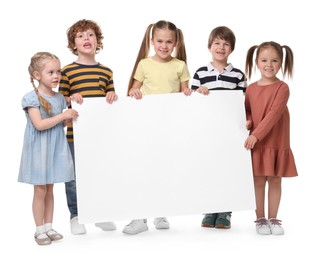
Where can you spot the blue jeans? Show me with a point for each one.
(70, 189)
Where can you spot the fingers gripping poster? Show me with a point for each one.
(163, 155)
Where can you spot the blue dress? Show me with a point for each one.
(46, 158)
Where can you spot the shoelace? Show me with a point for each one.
(222, 215)
(275, 221)
(134, 223)
(261, 221)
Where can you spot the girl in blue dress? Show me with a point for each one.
(46, 158)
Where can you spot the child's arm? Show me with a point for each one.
(274, 114)
(43, 124)
(249, 120)
(185, 89)
(135, 89)
(251, 140)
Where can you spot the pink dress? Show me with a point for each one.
(266, 106)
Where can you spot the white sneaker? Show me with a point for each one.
(106, 226)
(136, 226)
(276, 226)
(76, 228)
(161, 223)
(262, 226)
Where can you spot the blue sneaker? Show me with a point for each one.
(209, 220)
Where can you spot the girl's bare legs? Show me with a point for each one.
(274, 195)
(38, 204)
(39, 209)
(274, 198)
(49, 204)
(49, 213)
(262, 226)
(260, 183)
(43, 204)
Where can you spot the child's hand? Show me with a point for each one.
(203, 90)
(249, 124)
(78, 98)
(67, 122)
(187, 91)
(69, 114)
(134, 92)
(110, 97)
(250, 142)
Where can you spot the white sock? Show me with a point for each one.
(41, 230)
(48, 226)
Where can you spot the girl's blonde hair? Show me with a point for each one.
(180, 52)
(37, 64)
(287, 67)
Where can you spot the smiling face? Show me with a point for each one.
(164, 42)
(220, 50)
(269, 63)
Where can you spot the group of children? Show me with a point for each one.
(48, 156)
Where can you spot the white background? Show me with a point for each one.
(31, 26)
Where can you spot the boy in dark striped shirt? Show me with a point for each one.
(219, 75)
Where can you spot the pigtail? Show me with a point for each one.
(249, 61)
(180, 48)
(36, 64)
(43, 102)
(288, 62)
(143, 53)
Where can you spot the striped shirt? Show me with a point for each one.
(88, 80)
(210, 77)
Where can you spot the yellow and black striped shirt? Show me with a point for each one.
(88, 80)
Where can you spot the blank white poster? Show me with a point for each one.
(163, 155)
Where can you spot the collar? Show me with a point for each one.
(228, 68)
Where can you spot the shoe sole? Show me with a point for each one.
(263, 234)
(79, 233)
(43, 241)
(135, 233)
(222, 226)
(162, 227)
(207, 225)
(55, 237)
(105, 228)
(278, 234)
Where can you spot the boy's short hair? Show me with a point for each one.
(81, 26)
(224, 33)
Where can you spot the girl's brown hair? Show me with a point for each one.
(180, 49)
(36, 64)
(82, 26)
(287, 68)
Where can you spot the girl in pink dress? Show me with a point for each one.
(268, 120)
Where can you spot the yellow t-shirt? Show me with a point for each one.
(161, 78)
